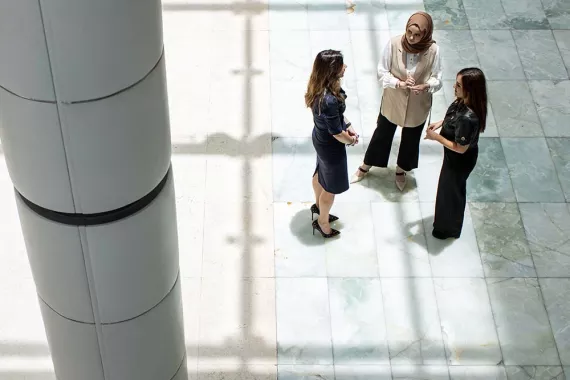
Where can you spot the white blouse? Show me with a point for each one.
(389, 81)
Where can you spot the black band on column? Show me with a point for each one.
(98, 218)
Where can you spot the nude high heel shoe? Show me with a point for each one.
(357, 178)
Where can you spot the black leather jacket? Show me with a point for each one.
(461, 125)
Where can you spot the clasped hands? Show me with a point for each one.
(352, 133)
(410, 83)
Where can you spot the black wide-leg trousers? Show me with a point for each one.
(378, 151)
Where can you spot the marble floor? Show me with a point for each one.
(263, 297)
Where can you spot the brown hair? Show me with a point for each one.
(325, 77)
(475, 91)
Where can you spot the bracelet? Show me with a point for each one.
(348, 124)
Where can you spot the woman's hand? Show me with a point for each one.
(351, 131)
(431, 134)
(435, 126)
(355, 138)
(420, 88)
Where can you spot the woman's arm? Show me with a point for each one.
(345, 138)
(435, 126)
(384, 66)
(463, 133)
(434, 82)
(451, 145)
(349, 127)
(332, 118)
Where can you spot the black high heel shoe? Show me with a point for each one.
(333, 232)
(315, 210)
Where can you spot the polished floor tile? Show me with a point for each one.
(306, 372)
(525, 14)
(412, 322)
(562, 38)
(467, 323)
(498, 55)
(357, 321)
(514, 109)
(448, 14)
(490, 180)
(557, 12)
(522, 322)
(552, 99)
(502, 241)
(532, 170)
(486, 14)
(452, 257)
(303, 322)
(477, 373)
(547, 227)
(535, 372)
(556, 294)
(560, 152)
(363, 372)
(412, 372)
(457, 51)
(539, 55)
(401, 246)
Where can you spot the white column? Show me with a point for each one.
(85, 133)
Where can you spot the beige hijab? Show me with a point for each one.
(425, 23)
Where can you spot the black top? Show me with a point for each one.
(461, 125)
(328, 115)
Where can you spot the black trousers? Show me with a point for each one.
(378, 151)
(452, 190)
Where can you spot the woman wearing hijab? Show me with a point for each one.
(464, 120)
(410, 71)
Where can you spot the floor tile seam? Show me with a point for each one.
(540, 291)
(493, 316)
(437, 303)
(382, 295)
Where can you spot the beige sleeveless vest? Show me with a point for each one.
(403, 107)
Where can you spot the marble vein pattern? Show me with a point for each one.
(532, 170)
(522, 322)
(547, 228)
(502, 241)
(552, 100)
(556, 293)
(539, 55)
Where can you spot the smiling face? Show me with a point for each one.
(458, 86)
(413, 34)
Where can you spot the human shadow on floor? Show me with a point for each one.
(434, 246)
(302, 229)
(382, 180)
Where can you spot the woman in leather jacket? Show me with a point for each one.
(464, 120)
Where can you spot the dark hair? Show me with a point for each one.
(475, 91)
(325, 76)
